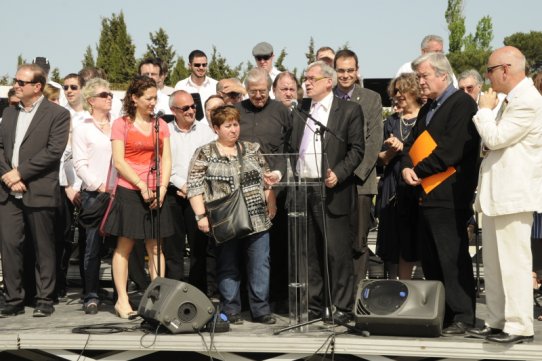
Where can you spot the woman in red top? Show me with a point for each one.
(134, 213)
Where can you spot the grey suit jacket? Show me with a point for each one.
(39, 154)
(345, 120)
(371, 105)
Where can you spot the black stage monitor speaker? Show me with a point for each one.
(400, 308)
(178, 306)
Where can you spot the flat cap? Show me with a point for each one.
(262, 49)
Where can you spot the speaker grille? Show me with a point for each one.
(187, 312)
(381, 297)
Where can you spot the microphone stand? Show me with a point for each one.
(158, 180)
(327, 313)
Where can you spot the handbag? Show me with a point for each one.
(91, 217)
(228, 216)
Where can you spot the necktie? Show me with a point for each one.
(501, 110)
(345, 97)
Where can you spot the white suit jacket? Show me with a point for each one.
(510, 179)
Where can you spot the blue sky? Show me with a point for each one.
(384, 33)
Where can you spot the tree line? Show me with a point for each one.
(115, 51)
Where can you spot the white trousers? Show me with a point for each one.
(507, 272)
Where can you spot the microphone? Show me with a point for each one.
(293, 105)
(158, 114)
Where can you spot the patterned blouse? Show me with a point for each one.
(215, 176)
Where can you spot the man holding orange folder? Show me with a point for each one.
(441, 158)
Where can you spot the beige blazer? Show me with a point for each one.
(510, 178)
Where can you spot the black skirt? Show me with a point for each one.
(131, 217)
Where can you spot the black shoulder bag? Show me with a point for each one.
(228, 216)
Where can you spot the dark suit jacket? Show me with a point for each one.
(458, 145)
(39, 154)
(345, 120)
(371, 105)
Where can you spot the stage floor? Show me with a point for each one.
(26, 338)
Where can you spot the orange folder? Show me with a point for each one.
(421, 149)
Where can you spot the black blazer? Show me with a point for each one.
(345, 120)
(39, 154)
(458, 145)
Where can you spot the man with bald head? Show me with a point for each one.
(186, 136)
(508, 193)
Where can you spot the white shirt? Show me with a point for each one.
(183, 146)
(207, 88)
(310, 163)
(162, 103)
(91, 154)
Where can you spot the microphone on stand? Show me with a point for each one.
(158, 114)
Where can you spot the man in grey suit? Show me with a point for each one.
(344, 154)
(348, 88)
(33, 137)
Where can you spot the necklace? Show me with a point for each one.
(405, 127)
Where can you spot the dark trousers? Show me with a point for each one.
(339, 249)
(39, 223)
(361, 228)
(279, 252)
(445, 257)
(186, 228)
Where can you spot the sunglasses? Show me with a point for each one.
(104, 95)
(22, 82)
(200, 65)
(233, 95)
(72, 87)
(263, 57)
(185, 108)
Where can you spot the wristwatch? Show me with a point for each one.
(200, 216)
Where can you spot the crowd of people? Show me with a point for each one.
(447, 147)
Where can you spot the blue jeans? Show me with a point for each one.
(253, 251)
(93, 246)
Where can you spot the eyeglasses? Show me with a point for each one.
(72, 87)
(313, 79)
(346, 71)
(262, 57)
(257, 91)
(490, 69)
(184, 108)
(200, 65)
(233, 95)
(22, 82)
(104, 95)
(468, 88)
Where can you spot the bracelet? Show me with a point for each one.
(200, 216)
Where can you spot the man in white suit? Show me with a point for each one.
(509, 190)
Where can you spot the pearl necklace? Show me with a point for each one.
(408, 127)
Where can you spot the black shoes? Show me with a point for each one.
(91, 306)
(506, 338)
(11, 310)
(43, 310)
(235, 319)
(457, 328)
(265, 319)
(339, 318)
(482, 332)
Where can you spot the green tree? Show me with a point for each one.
(160, 48)
(311, 55)
(530, 44)
(467, 51)
(280, 60)
(55, 75)
(88, 59)
(116, 52)
(5, 80)
(345, 46)
(219, 68)
(179, 72)
(456, 24)
(20, 60)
